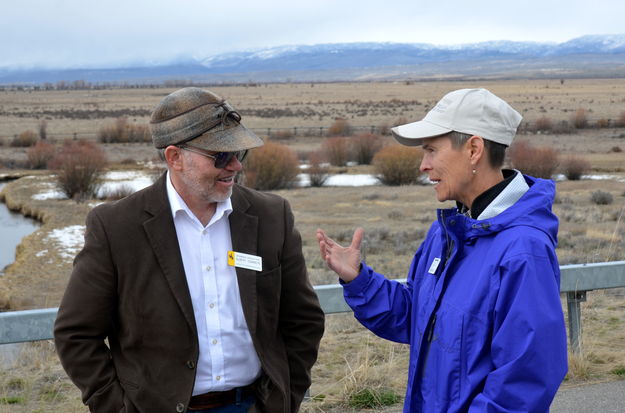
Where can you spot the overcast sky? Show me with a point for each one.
(108, 33)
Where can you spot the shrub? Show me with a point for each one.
(601, 198)
(282, 134)
(79, 166)
(540, 162)
(40, 154)
(400, 121)
(340, 127)
(562, 127)
(397, 164)
(272, 166)
(603, 123)
(318, 173)
(121, 131)
(336, 150)
(139, 133)
(24, 139)
(364, 147)
(616, 149)
(384, 129)
(573, 167)
(621, 119)
(43, 129)
(543, 124)
(580, 118)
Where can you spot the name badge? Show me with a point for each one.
(247, 261)
(434, 265)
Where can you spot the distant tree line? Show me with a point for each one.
(84, 85)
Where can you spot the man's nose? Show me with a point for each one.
(234, 164)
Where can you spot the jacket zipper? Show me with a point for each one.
(429, 338)
(450, 245)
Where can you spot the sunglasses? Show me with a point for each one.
(222, 159)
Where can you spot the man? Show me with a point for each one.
(481, 307)
(198, 284)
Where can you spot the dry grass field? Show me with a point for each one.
(280, 106)
(395, 218)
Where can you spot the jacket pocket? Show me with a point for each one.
(269, 287)
(444, 364)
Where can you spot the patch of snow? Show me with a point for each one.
(50, 194)
(342, 180)
(562, 177)
(124, 179)
(69, 240)
(41, 253)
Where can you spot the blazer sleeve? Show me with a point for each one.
(85, 320)
(301, 317)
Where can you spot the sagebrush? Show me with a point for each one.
(272, 166)
(398, 164)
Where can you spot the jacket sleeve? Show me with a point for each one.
(85, 320)
(301, 317)
(381, 305)
(528, 347)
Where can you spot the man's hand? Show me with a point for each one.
(345, 261)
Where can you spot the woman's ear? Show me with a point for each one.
(475, 146)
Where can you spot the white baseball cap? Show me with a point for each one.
(472, 111)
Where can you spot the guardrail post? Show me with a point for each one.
(573, 300)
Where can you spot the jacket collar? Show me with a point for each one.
(244, 235)
(161, 232)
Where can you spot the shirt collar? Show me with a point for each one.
(177, 205)
(497, 198)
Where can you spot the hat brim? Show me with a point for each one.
(230, 139)
(412, 134)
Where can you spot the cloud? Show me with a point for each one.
(87, 33)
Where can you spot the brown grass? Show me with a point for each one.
(362, 104)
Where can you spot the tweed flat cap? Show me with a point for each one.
(201, 116)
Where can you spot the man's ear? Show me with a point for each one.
(173, 157)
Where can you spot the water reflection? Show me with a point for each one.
(13, 227)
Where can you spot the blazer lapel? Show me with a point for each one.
(161, 233)
(244, 234)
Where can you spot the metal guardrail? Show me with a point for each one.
(577, 279)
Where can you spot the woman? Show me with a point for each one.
(481, 309)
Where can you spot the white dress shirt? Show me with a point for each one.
(227, 356)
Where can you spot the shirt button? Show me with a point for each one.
(211, 305)
(218, 378)
(208, 268)
(214, 341)
(191, 364)
(180, 407)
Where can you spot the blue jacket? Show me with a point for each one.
(481, 310)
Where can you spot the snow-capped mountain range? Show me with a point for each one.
(592, 55)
